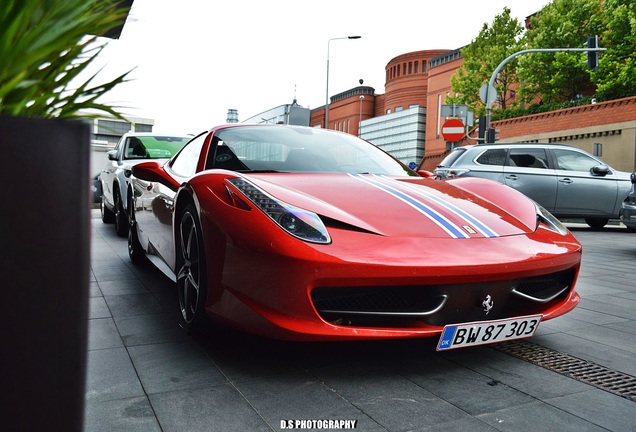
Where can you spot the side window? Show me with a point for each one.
(185, 163)
(574, 161)
(492, 157)
(528, 158)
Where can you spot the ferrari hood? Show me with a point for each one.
(405, 207)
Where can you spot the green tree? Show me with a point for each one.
(616, 75)
(560, 76)
(482, 56)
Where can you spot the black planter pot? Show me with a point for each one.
(44, 272)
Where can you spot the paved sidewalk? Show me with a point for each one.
(145, 374)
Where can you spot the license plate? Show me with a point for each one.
(487, 332)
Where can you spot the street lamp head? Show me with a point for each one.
(354, 37)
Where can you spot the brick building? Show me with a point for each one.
(416, 86)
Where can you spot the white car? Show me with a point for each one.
(132, 148)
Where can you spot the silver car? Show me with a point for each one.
(628, 212)
(132, 148)
(567, 181)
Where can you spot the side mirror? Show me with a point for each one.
(153, 172)
(600, 170)
(633, 177)
(427, 174)
(112, 155)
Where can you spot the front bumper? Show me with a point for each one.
(282, 295)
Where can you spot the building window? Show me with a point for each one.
(410, 68)
(388, 111)
(140, 127)
(598, 149)
(423, 66)
(398, 109)
(438, 131)
(112, 127)
(403, 68)
(416, 67)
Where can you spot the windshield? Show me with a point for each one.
(299, 149)
(154, 147)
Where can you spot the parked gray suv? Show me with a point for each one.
(567, 181)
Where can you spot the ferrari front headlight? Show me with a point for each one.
(546, 218)
(300, 223)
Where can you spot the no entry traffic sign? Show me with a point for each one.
(453, 130)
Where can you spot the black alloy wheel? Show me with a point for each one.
(121, 218)
(135, 250)
(191, 274)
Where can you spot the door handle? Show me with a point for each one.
(511, 177)
(566, 180)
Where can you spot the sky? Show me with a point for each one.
(192, 60)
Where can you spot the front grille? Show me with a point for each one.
(413, 306)
(372, 299)
(543, 289)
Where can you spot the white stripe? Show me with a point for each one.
(436, 217)
(474, 223)
(453, 129)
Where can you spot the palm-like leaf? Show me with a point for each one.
(44, 48)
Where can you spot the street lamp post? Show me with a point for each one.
(327, 96)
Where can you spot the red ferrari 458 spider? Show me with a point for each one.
(302, 233)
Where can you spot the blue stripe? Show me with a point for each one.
(480, 226)
(444, 223)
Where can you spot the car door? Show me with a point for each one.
(581, 192)
(528, 171)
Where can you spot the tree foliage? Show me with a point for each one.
(482, 56)
(44, 46)
(544, 81)
(616, 76)
(560, 76)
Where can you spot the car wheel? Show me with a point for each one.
(191, 274)
(596, 223)
(135, 250)
(107, 215)
(121, 219)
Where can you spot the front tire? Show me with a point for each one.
(191, 274)
(121, 219)
(135, 250)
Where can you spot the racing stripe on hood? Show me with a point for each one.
(475, 223)
(436, 217)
